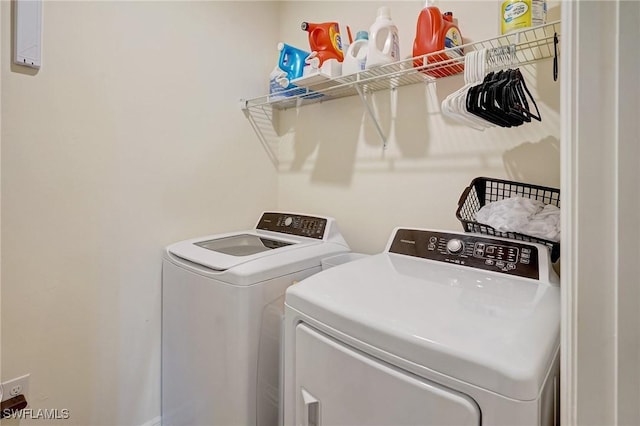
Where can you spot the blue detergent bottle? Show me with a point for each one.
(291, 61)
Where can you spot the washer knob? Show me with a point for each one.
(288, 221)
(455, 246)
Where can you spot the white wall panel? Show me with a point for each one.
(130, 138)
(601, 235)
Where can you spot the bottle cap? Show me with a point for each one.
(362, 35)
(384, 12)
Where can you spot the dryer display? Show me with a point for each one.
(474, 251)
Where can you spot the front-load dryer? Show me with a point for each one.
(222, 310)
(440, 329)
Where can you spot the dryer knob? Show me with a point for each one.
(455, 246)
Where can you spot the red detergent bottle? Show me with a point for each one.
(325, 39)
(435, 32)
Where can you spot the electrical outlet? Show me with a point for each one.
(15, 387)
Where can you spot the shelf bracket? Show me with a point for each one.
(373, 117)
(258, 128)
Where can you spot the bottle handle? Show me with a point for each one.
(315, 34)
(388, 41)
(312, 60)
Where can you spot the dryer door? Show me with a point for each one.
(337, 385)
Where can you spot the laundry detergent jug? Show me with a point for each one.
(383, 47)
(519, 14)
(356, 57)
(291, 60)
(436, 32)
(325, 39)
(290, 66)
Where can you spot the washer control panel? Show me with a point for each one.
(303, 226)
(512, 258)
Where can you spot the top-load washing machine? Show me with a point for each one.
(222, 310)
(441, 329)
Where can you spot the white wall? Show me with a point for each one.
(1, 67)
(331, 157)
(601, 233)
(128, 138)
(628, 232)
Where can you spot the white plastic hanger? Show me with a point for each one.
(454, 105)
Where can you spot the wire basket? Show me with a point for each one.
(484, 190)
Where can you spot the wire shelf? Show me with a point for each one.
(531, 45)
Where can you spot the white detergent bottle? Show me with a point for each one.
(356, 56)
(383, 46)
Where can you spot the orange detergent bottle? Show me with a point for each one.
(325, 39)
(435, 32)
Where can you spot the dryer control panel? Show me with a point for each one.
(293, 224)
(475, 251)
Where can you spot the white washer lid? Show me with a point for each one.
(218, 260)
(497, 332)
